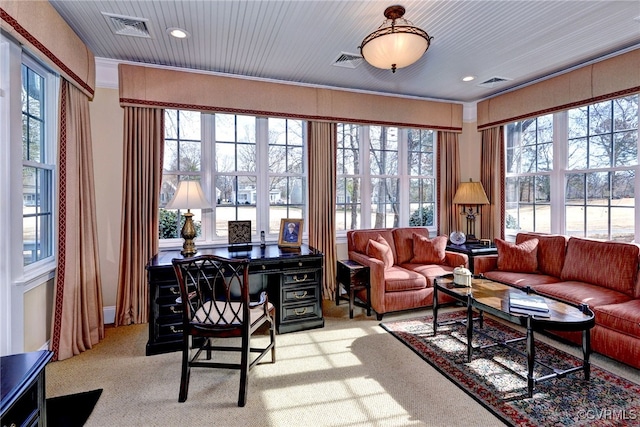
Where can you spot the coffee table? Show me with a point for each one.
(488, 296)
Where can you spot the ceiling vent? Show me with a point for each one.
(127, 25)
(348, 60)
(493, 82)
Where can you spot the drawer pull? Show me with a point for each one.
(299, 263)
(174, 291)
(175, 309)
(299, 295)
(264, 267)
(300, 312)
(295, 277)
(175, 330)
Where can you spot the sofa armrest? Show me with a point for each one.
(484, 263)
(455, 259)
(376, 279)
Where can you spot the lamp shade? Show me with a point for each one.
(396, 43)
(189, 196)
(470, 193)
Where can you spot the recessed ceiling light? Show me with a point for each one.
(468, 78)
(178, 33)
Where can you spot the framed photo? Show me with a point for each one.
(239, 232)
(290, 232)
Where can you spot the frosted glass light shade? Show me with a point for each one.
(396, 43)
(395, 50)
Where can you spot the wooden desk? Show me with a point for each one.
(22, 390)
(291, 277)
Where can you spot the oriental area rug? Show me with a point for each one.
(493, 377)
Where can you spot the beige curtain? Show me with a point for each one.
(78, 321)
(143, 151)
(492, 178)
(448, 177)
(322, 198)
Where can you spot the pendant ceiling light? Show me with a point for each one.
(397, 43)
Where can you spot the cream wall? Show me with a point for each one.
(470, 151)
(106, 134)
(38, 305)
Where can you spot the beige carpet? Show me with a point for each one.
(349, 373)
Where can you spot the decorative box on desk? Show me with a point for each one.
(354, 277)
(291, 277)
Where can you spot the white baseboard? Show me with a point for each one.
(109, 314)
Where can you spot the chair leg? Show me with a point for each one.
(272, 333)
(244, 371)
(186, 370)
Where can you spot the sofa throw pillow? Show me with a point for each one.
(520, 258)
(426, 251)
(381, 250)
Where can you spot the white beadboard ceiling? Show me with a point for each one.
(520, 41)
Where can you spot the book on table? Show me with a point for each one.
(529, 303)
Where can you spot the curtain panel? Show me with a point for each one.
(143, 152)
(448, 176)
(78, 321)
(322, 142)
(492, 175)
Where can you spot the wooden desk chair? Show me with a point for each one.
(214, 293)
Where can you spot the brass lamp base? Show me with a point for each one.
(188, 233)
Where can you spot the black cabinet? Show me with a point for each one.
(23, 400)
(291, 277)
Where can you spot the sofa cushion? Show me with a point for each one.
(581, 293)
(624, 317)
(613, 265)
(520, 280)
(520, 258)
(427, 251)
(403, 238)
(551, 251)
(381, 250)
(398, 279)
(430, 271)
(360, 239)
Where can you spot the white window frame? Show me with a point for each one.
(208, 175)
(403, 177)
(15, 278)
(560, 171)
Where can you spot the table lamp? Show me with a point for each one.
(189, 195)
(469, 194)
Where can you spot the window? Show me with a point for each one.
(245, 164)
(574, 172)
(602, 160)
(38, 165)
(375, 188)
(529, 162)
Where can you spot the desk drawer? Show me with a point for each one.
(292, 313)
(295, 294)
(300, 277)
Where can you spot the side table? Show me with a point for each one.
(354, 277)
(472, 250)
